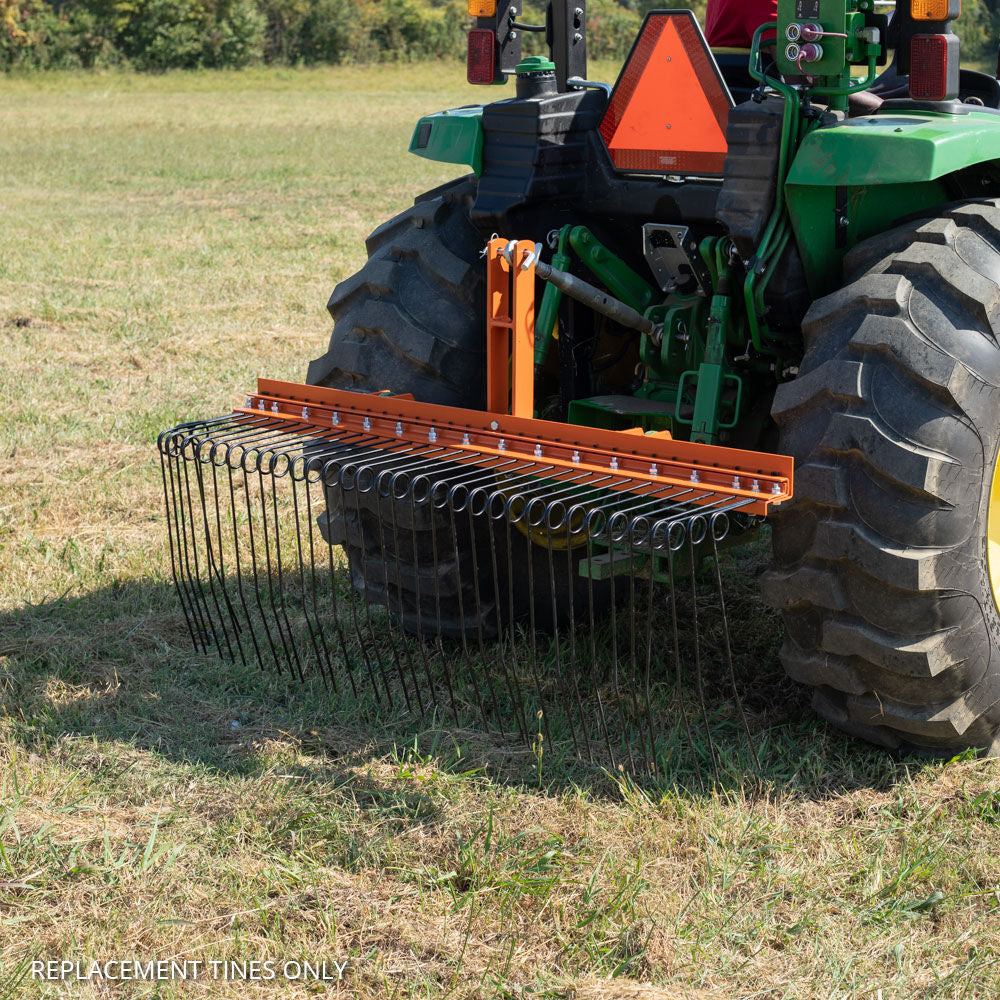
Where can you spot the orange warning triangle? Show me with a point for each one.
(669, 108)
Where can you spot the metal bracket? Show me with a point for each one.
(674, 259)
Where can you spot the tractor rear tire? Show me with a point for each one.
(882, 558)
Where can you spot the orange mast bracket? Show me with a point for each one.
(510, 327)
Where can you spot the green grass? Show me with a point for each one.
(163, 240)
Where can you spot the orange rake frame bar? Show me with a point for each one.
(555, 449)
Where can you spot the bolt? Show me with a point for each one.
(843, 220)
(399, 427)
(248, 404)
(694, 476)
(274, 407)
(466, 439)
(653, 470)
(494, 425)
(576, 456)
(736, 482)
(538, 451)
(335, 419)
(305, 411)
(775, 489)
(367, 424)
(577, 38)
(513, 36)
(613, 465)
(260, 405)
(755, 487)
(502, 446)
(432, 435)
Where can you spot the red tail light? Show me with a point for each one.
(481, 59)
(933, 67)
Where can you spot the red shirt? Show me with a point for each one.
(732, 22)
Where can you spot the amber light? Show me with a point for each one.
(935, 10)
(933, 67)
(482, 8)
(481, 56)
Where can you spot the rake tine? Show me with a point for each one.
(592, 630)
(504, 643)
(197, 566)
(354, 604)
(699, 679)
(463, 631)
(542, 707)
(239, 561)
(385, 578)
(171, 532)
(435, 557)
(312, 624)
(723, 521)
(400, 613)
(479, 617)
(220, 568)
(187, 551)
(334, 612)
(254, 562)
(678, 667)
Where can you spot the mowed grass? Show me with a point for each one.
(163, 240)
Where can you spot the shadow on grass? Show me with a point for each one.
(117, 665)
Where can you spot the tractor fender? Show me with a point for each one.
(857, 178)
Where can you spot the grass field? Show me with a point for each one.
(162, 241)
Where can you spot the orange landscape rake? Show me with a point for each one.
(543, 577)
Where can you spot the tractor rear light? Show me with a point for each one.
(482, 8)
(935, 10)
(933, 67)
(481, 58)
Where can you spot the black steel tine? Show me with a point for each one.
(250, 506)
(532, 634)
(727, 648)
(188, 548)
(238, 559)
(595, 678)
(367, 603)
(220, 567)
(401, 612)
(311, 623)
(332, 579)
(274, 572)
(699, 679)
(173, 540)
(561, 673)
(483, 658)
(647, 672)
(505, 632)
(463, 631)
(439, 638)
(200, 589)
(358, 631)
(678, 663)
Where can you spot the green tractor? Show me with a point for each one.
(735, 257)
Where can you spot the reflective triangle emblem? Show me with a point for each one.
(669, 108)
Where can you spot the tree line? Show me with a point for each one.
(154, 35)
